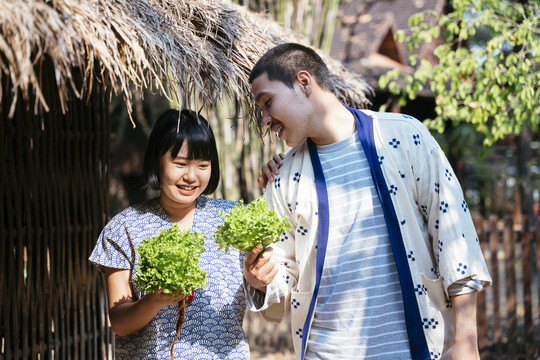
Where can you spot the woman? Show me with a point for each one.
(181, 160)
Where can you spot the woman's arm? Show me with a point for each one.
(128, 316)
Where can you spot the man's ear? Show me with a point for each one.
(305, 81)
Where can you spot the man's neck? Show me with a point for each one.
(336, 123)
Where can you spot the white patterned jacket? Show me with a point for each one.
(431, 230)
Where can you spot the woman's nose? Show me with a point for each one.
(190, 173)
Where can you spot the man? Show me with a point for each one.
(382, 260)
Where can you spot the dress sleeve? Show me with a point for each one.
(114, 248)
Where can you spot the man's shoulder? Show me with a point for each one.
(393, 119)
(396, 124)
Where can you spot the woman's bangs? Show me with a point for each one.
(200, 147)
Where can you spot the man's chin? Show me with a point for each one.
(292, 142)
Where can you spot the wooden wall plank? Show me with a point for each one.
(527, 290)
(494, 253)
(509, 241)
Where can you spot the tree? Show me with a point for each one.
(486, 78)
(487, 73)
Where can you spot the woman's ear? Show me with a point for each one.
(305, 81)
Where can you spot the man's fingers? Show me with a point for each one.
(256, 260)
(274, 166)
(263, 258)
(273, 272)
(266, 176)
(270, 169)
(262, 181)
(251, 256)
(261, 272)
(278, 158)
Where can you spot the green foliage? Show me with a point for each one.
(170, 261)
(488, 72)
(246, 226)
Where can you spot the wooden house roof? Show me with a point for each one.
(364, 37)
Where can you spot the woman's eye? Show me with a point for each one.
(267, 103)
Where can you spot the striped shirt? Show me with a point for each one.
(359, 311)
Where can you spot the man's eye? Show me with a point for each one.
(267, 103)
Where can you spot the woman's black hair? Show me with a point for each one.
(170, 131)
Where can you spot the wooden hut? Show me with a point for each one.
(60, 62)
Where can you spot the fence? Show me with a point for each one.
(508, 312)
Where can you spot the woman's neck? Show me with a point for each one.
(179, 214)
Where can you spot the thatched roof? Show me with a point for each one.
(202, 49)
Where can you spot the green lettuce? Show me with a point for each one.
(170, 261)
(244, 227)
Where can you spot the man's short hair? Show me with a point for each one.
(285, 61)
(169, 133)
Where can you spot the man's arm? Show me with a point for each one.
(465, 332)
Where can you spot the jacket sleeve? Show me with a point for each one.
(273, 305)
(454, 241)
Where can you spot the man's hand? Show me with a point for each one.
(270, 169)
(260, 268)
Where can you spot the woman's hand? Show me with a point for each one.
(159, 298)
(126, 315)
(270, 169)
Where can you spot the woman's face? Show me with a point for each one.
(183, 180)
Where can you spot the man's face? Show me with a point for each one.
(284, 110)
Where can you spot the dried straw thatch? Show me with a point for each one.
(201, 49)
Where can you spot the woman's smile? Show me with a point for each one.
(186, 190)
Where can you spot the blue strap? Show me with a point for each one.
(322, 237)
(417, 339)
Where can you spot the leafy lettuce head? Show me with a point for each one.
(170, 261)
(244, 227)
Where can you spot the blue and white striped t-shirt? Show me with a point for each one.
(359, 311)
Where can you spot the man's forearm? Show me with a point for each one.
(465, 330)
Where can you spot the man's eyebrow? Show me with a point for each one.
(260, 95)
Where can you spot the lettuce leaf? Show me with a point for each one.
(170, 261)
(245, 226)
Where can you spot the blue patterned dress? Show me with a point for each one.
(213, 324)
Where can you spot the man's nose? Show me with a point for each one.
(266, 119)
